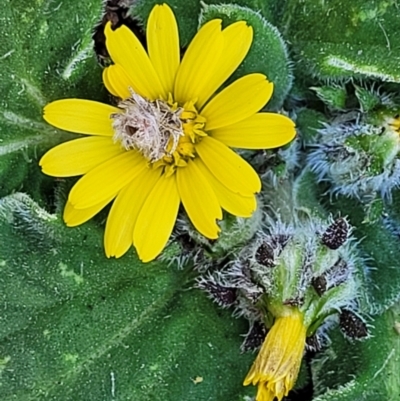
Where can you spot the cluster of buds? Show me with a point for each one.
(359, 158)
(291, 283)
(357, 152)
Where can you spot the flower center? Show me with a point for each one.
(153, 128)
(162, 131)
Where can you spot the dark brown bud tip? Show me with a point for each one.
(254, 338)
(336, 234)
(223, 296)
(265, 255)
(352, 326)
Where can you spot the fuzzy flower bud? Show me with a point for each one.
(277, 365)
(359, 159)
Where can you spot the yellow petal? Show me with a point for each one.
(156, 219)
(199, 200)
(106, 180)
(236, 204)
(117, 81)
(74, 217)
(79, 156)
(81, 116)
(260, 131)
(228, 167)
(237, 42)
(118, 237)
(163, 44)
(107, 83)
(125, 49)
(264, 393)
(199, 62)
(241, 99)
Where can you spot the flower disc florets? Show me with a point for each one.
(164, 133)
(152, 127)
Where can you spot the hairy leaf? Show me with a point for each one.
(361, 370)
(337, 39)
(77, 326)
(45, 54)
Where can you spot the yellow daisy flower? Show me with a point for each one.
(277, 365)
(168, 139)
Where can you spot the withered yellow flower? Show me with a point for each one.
(277, 365)
(168, 140)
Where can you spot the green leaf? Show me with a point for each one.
(337, 39)
(333, 96)
(77, 326)
(46, 54)
(368, 99)
(308, 122)
(365, 370)
(306, 194)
